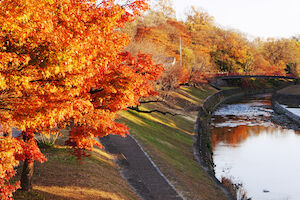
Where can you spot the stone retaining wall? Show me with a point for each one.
(202, 130)
(289, 99)
(280, 109)
(211, 102)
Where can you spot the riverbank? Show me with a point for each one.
(290, 90)
(251, 150)
(285, 118)
(289, 96)
(202, 132)
(168, 140)
(284, 102)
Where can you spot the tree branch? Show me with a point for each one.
(93, 91)
(151, 101)
(21, 67)
(5, 109)
(44, 80)
(151, 111)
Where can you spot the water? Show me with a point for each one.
(251, 150)
(295, 110)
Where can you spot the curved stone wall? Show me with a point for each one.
(202, 130)
(280, 109)
(287, 99)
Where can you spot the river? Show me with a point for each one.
(251, 150)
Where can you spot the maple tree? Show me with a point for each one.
(61, 63)
(9, 148)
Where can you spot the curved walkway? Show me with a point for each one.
(138, 169)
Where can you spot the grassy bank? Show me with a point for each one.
(291, 90)
(168, 140)
(62, 177)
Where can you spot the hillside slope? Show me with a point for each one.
(168, 141)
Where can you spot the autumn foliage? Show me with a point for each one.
(9, 148)
(209, 49)
(62, 63)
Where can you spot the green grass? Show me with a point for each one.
(168, 140)
(199, 93)
(291, 90)
(228, 88)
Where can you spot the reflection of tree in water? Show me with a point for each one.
(248, 117)
(235, 135)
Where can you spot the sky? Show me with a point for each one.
(256, 18)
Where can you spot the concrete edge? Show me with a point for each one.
(156, 168)
(202, 163)
(280, 109)
(199, 136)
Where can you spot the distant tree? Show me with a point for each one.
(188, 57)
(277, 51)
(198, 20)
(231, 52)
(281, 53)
(165, 7)
(297, 67)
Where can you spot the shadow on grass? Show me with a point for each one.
(63, 177)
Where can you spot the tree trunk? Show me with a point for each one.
(27, 174)
(9, 133)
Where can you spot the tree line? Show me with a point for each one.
(207, 48)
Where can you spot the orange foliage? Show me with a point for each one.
(166, 35)
(62, 61)
(173, 77)
(8, 148)
(199, 77)
(182, 74)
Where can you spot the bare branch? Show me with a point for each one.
(5, 109)
(93, 91)
(45, 80)
(151, 111)
(151, 101)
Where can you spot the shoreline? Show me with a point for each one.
(284, 117)
(202, 128)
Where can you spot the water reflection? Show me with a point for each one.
(253, 151)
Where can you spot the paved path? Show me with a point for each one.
(138, 169)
